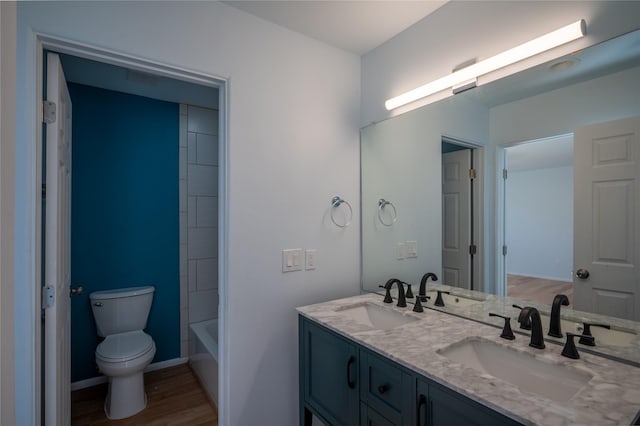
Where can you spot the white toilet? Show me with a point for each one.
(121, 316)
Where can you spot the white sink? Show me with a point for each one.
(451, 300)
(552, 381)
(376, 317)
(602, 336)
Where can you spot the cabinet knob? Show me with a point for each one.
(383, 389)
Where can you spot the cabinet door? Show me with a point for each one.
(387, 388)
(447, 408)
(370, 417)
(329, 372)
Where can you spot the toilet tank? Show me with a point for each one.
(121, 310)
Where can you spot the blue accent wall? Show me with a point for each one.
(124, 220)
(449, 147)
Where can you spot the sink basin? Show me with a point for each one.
(377, 317)
(552, 381)
(452, 300)
(602, 335)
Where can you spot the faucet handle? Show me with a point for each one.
(417, 306)
(569, 349)
(525, 323)
(507, 333)
(409, 293)
(439, 301)
(586, 333)
(387, 296)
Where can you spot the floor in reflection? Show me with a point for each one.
(537, 289)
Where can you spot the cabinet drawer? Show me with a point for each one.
(385, 387)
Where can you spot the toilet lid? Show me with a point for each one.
(122, 346)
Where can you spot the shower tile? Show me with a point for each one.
(183, 259)
(182, 197)
(203, 120)
(202, 180)
(182, 131)
(192, 156)
(184, 291)
(207, 149)
(183, 109)
(184, 324)
(183, 228)
(182, 163)
(203, 305)
(193, 276)
(207, 274)
(184, 348)
(202, 243)
(207, 211)
(192, 208)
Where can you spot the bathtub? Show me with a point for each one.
(203, 356)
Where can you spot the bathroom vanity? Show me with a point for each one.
(365, 362)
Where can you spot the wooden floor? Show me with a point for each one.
(537, 289)
(174, 394)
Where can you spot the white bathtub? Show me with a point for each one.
(203, 356)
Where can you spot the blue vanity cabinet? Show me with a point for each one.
(328, 376)
(439, 406)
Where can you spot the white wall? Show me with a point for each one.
(293, 144)
(460, 31)
(7, 173)
(539, 223)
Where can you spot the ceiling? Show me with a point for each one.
(355, 26)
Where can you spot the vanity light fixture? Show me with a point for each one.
(531, 48)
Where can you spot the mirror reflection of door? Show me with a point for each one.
(539, 219)
(457, 214)
(607, 218)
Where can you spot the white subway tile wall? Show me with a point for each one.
(198, 174)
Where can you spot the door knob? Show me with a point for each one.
(76, 290)
(583, 274)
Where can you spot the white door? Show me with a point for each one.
(456, 217)
(57, 354)
(607, 218)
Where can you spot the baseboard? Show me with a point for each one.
(94, 381)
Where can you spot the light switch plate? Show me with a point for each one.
(310, 259)
(292, 260)
(401, 251)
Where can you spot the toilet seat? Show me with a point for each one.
(124, 347)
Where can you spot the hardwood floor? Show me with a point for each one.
(174, 394)
(537, 289)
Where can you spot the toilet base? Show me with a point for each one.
(125, 397)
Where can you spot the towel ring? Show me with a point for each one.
(382, 203)
(335, 203)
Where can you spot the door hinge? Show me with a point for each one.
(472, 174)
(48, 297)
(504, 250)
(48, 112)
(504, 174)
(44, 190)
(473, 249)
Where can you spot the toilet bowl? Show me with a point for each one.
(121, 315)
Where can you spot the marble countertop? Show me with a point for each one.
(612, 396)
(503, 306)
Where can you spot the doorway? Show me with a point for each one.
(462, 214)
(538, 216)
(157, 75)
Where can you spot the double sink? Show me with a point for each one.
(529, 373)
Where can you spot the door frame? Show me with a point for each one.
(478, 224)
(500, 233)
(33, 212)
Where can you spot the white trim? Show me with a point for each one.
(87, 383)
(44, 41)
(8, 12)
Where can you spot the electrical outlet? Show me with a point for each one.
(412, 249)
(291, 260)
(310, 259)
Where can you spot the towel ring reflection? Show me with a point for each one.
(335, 203)
(382, 203)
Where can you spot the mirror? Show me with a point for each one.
(405, 172)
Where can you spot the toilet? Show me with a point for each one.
(121, 316)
